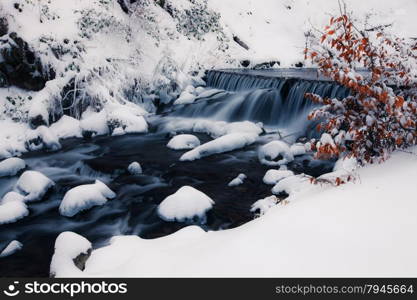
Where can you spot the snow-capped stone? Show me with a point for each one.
(298, 149)
(222, 144)
(66, 127)
(84, 197)
(263, 205)
(12, 211)
(12, 196)
(185, 204)
(199, 90)
(268, 154)
(11, 166)
(273, 176)
(126, 122)
(33, 185)
(183, 141)
(11, 248)
(291, 184)
(135, 168)
(185, 98)
(68, 246)
(49, 138)
(94, 122)
(238, 180)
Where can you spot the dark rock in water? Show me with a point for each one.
(245, 63)
(4, 26)
(20, 66)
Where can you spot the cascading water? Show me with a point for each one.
(274, 101)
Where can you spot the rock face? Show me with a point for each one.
(19, 65)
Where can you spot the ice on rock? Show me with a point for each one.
(12, 211)
(134, 168)
(298, 149)
(84, 197)
(68, 246)
(125, 121)
(291, 184)
(11, 166)
(263, 205)
(238, 180)
(275, 153)
(222, 144)
(11, 248)
(183, 142)
(273, 176)
(186, 204)
(66, 127)
(33, 185)
(12, 196)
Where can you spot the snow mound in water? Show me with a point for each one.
(185, 204)
(185, 98)
(291, 184)
(134, 168)
(34, 185)
(124, 121)
(273, 176)
(263, 205)
(11, 248)
(11, 166)
(42, 138)
(68, 246)
(238, 180)
(84, 197)
(94, 122)
(66, 127)
(222, 144)
(298, 149)
(12, 196)
(269, 153)
(12, 211)
(183, 141)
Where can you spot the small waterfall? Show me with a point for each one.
(276, 102)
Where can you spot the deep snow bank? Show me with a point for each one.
(365, 228)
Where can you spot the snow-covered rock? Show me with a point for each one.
(94, 122)
(291, 184)
(84, 197)
(42, 138)
(125, 121)
(273, 176)
(66, 127)
(263, 205)
(269, 153)
(185, 204)
(183, 142)
(238, 180)
(222, 144)
(12, 211)
(185, 98)
(134, 168)
(343, 171)
(68, 246)
(12, 196)
(11, 166)
(11, 248)
(33, 185)
(298, 149)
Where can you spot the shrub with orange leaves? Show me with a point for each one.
(380, 114)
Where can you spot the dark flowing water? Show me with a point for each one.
(133, 211)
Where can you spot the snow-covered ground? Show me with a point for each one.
(365, 228)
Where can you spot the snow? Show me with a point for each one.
(68, 246)
(49, 138)
(134, 168)
(273, 176)
(84, 197)
(183, 141)
(298, 149)
(226, 143)
(263, 205)
(127, 122)
(291, 185)
(362, 229)
(67, 127)
(11, 197)
(185, 204)
(95, 122)
(269, 152)
(238, 180)
(185, 98)
(11, 248)
(34, 185)
(12, 211)
(11, 166)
